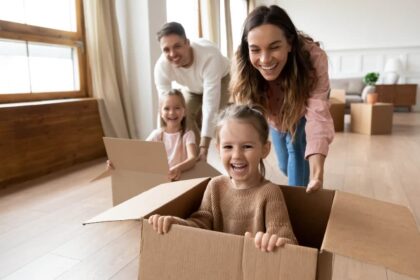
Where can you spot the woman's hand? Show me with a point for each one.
(314, 185)
(267, 242)
(316, 168)
(161, 224)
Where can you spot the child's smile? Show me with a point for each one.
(172, 112)
(241, 151)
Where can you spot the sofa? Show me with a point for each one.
(356, 90)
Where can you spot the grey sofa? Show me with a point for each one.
(356, 90)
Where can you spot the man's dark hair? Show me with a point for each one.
(171, 28)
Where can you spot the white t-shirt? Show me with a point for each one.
(176, 153)
(204, 77)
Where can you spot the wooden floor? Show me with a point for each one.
(42, 237)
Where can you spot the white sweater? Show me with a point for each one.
(202, 77)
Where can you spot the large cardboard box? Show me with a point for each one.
(327, 224)
(337, 110)
(141, 165)
(371, 119)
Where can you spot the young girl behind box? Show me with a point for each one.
(243, 202)
(179, 142)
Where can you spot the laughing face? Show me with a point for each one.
(268, 50)
(241, 150)
(172, 112)
(177, 50)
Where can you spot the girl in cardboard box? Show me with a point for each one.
(243, 202)
(179, 142)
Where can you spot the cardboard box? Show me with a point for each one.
(371, 119)
(338, 94)
(337, 110)
(327, 224)
(141, 165)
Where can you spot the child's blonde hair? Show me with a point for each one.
(174, 92)
(254, 115)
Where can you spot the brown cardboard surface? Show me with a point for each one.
(338, 94)
(189, 253)
(136, 155)
(156, 199)
(308, 222)
(127, 183)
(337, 110)
(192, 253)
(382, 118)
(141, 165)
(371, 119)
(373, 231)
(289, 262)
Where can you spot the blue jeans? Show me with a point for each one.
(291, 155)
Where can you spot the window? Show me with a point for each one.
(186, 14)
(41, 50)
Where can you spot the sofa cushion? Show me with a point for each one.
(352, 86)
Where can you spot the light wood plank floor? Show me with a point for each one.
(41, 232)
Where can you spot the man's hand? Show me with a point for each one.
(203, 153)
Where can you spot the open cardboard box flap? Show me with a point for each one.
(136, 155)
(373, 231)
(141, 165)
(154, 200)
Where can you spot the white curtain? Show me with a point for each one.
(216, 24)
(107, 71)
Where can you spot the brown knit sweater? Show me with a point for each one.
(228, 209)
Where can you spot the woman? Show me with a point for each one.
(286, 72)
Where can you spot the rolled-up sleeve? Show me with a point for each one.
(319, 124)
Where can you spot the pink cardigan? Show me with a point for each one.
(319, 127)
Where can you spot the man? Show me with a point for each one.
(201, 71)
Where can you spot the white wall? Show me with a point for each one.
(350, 24)
(138, 23)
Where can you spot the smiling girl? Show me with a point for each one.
(179, 142)
(243, 202)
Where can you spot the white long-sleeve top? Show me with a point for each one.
(202, 77)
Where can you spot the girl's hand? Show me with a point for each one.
(109, 165)
(314, 185)
(161, 224)
(267, 242)
(174, 174)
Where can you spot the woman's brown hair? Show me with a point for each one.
(297, 78)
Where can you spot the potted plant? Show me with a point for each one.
(370, 80)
